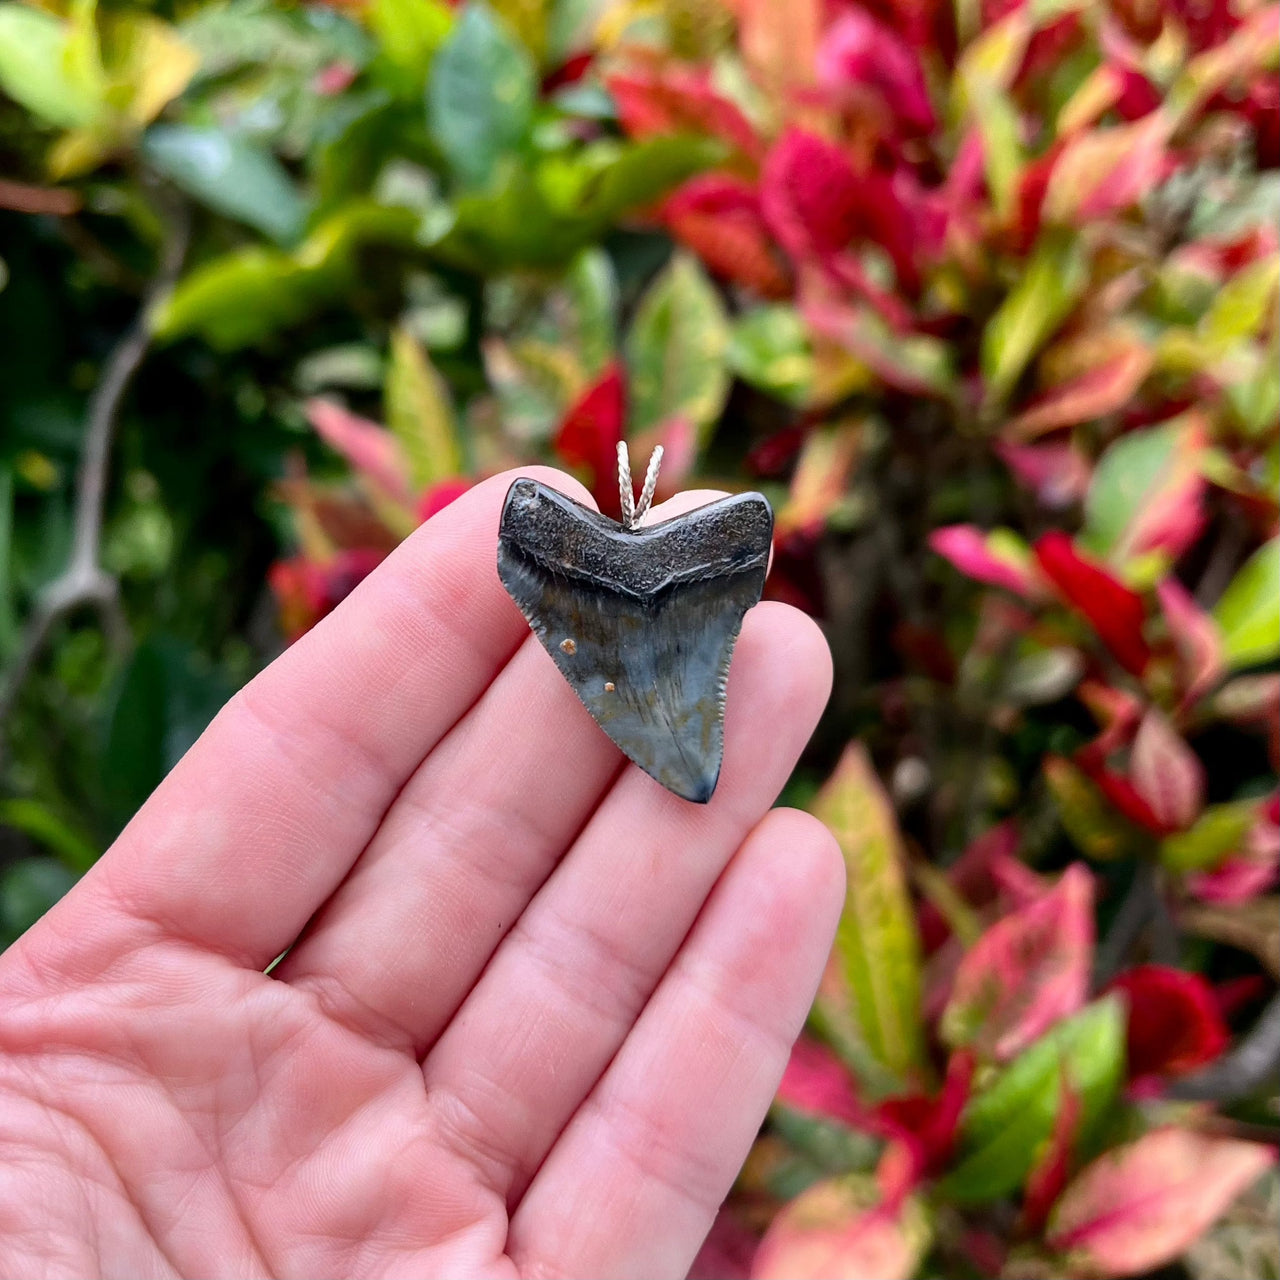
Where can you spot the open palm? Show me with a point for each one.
(533, 1007)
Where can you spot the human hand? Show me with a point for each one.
(534, 1008)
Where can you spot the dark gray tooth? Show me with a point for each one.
(641, 622)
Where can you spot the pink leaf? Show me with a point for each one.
(818, 1083)
(997, 562)
(1104, 389)
(858, 53)
(1027, 971)
(1166, 773)
(369, 447)
(1195, 636)
(838, 1230)
(1116, 613)
(1058, 474)
(1104, 171)
(1252, 871)
(1143, 1204)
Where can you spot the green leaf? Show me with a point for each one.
(409, 33)
(541, 216)
(28, 889)
(480, 95)
(593, 294)
(1092, 823)
(1220, 830)
(35, 819)
(876, 944)
(1242, 306)
(419, 414)
(677, 350)
(1248, 615)
(236, 300)
(770, 349)
(1047, 289)
(163, 702)
(1005, 1127)
(246, 296)
(36, 68)
(230, 175)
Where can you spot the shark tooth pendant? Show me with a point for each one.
(640, 621)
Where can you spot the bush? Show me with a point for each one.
(983, 298)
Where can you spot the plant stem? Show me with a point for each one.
(1242, 1071)
(84, 581)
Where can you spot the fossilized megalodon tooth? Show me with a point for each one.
(641, 622)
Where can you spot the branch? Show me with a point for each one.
(1135, 914)
(1243, 1070)
(84, 581)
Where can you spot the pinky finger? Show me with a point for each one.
(633, 1183)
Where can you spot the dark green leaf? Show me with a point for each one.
(27, 890)
(480, 95)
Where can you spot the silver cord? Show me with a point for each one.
(632, 511)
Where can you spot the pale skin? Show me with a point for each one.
(533, 1009)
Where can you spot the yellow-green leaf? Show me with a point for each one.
(678, 350)
(419, 413)
(877, 944)
(33, 68)
(1249, 612)
(1050, 284)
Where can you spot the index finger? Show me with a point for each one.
(261, 820)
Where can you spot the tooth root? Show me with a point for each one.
(641, 623)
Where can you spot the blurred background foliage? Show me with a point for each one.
(982, 295)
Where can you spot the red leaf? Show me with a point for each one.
(570, 71)
(1049, 1174)
(656, 101)
(971, 876)
(859, 54)
(973, 552)
(1102, 390)
(1122, 794)
(440, 495)
(1175, 1024)
(1116, 612)
(368, 446)
(809, 193)
(1195, 636)
(719, 218)
(1026, 972)
(817, 204)
(727, 1251)
(589, 434)
(306, 591)
(929, 1124)
(1143, 1204)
